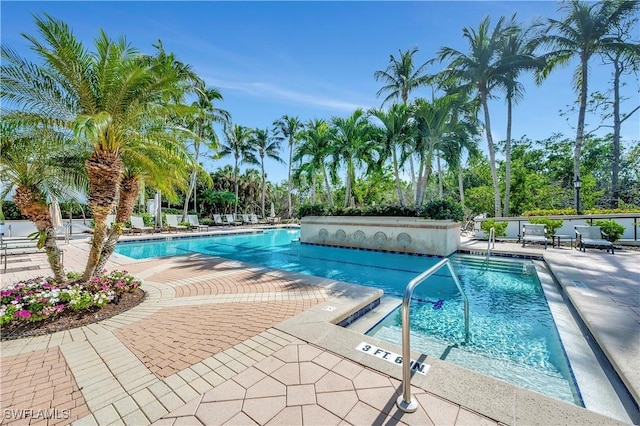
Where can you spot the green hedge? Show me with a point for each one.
(436, 209)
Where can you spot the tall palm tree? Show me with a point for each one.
(268, 147)
(481, 70)
(396, 131)
(40, 163)
(238, 145)
(401, 77)
(314, 149)
(587, 29)
(289, 128)
(352, 146)
(107, 96)
(201, 123)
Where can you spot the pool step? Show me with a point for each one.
(493, 264)
(373, 317)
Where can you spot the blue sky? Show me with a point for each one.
(315, 59)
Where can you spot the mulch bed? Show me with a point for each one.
(71, 319)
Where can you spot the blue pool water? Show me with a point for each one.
(513, 335)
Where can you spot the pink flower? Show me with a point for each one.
(58, 307)
(22, 314)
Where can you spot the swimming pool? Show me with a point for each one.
(512, 332)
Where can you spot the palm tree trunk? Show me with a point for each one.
(104, 169)
(313, 188)
(492, 156)
(263, 184)
(126, 202)
(289, 178)
(35, 208)
(581, 116)
(327, 186)
(617, 123)
(235, 184)
(507, 159)
(397, 175)
(440, 187)
(461, 185)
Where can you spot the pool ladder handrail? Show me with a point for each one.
(405, 402)
(492, 237)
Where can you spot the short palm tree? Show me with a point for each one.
(289, 128)
(40, 163)
(237, 144)
(107, 96)
(314, 149)
(395, 133)
(265, 146)
(586, 30)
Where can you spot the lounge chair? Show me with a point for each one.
(172, 223)
(245, 219)
(592, 236)
(217, 220)
(195, 222)
(137, 225)
(253, 219)
(534, 234)
(231, 220)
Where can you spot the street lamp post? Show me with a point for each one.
(577, 184)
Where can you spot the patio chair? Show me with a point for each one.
(195, 222)
(137, 225)
(532, 233)
(592, 236)
(253, 219)
(217, 220)
(245, 219)
(231, 220)
(172, 223)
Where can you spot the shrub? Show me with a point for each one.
(500, 227)
(552, 225)
(613, 230)
(385, 210)
(442, 210)
(11, 211)
(207, 221)
(312, 210)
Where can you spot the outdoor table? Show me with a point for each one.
(558, 237)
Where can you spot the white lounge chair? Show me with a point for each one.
(195, 222)
(253, 219)
(592, 236)
(137, 225)
(245, 219)
(217, 220)
(231, 220)
(172, 223)
(533, 233)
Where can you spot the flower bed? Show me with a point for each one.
(42, 298)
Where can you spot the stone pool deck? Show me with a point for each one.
(223, 342)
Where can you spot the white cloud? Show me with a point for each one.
(266, 90)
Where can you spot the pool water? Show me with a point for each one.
(512, 333)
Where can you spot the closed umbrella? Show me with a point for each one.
(273, 210)
(54, 211)
(158, 211)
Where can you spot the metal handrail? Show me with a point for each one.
(492, 236)
(404, 402)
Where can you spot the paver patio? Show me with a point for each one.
(206, 347)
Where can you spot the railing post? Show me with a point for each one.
(405, 402)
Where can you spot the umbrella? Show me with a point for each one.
(273, 210)
(54, 211)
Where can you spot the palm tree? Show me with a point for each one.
(107, 96)
(401, 78)
(396, 132)
(352, 146)
(289, 128)
(587, 29)
(202, 125)
(40, 163)
(314, 149)
(265, 147)
(482, 69)
(238, 144)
